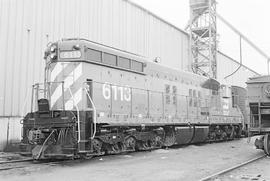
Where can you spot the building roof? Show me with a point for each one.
(156, 16)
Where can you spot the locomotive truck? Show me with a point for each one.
(98, 100)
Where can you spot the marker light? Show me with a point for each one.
(53, 55)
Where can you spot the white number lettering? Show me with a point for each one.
(114, 89)
(108, 90)
(121, 93)
(127, 94)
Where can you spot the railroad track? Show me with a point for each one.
(25, 163)
(223, 172)
(16, 161)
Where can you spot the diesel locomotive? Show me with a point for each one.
(98, 100)
(259, 103)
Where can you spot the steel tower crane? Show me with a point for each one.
(203, 37)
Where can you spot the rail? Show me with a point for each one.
(78, 116)
(231, 168)
(94, 111)
(29, 162)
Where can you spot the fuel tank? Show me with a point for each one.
(191, 134)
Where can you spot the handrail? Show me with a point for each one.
(95, 113)
(78, 115)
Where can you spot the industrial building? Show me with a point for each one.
(26, 28)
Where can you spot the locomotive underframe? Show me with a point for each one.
(55, 135)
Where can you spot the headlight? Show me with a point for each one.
(53, 56)
(53, 48)
(70, 54)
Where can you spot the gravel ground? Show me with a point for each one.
(185, 163)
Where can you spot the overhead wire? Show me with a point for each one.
(241, 61)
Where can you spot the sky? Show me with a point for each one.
(247, 16)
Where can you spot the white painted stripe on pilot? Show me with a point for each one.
(73, 76)
(58, 68)
(63, 74)
(78, 96)
(69, 105)
(56, 94)
(78, 72)
(67, 83)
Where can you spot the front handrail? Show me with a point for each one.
(43, 88)
(95, 113)
(78, 115)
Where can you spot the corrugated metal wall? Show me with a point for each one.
(26, 26)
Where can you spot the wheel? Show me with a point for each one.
(266, 144)
(232, 135)
(169, 138)
(130, 143)
(156, 141)
(223, 135)
(97, 145)
(116, 148)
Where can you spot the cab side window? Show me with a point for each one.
(93, 55)
(136, 66)
(123, 62)
(109, 59)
